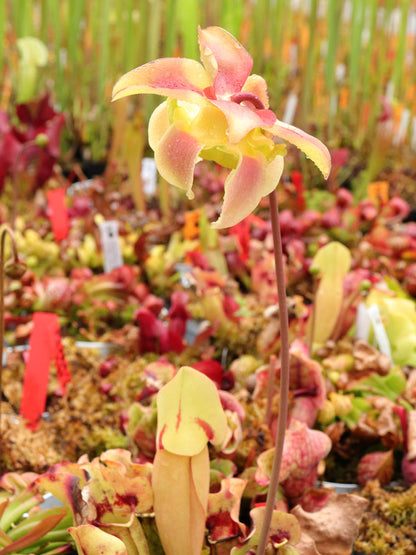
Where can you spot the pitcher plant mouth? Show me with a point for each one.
(218, 111)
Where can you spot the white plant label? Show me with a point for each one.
(149, 176)
(110, 245)
(403, 126)
(291, 105)
(379, 330)
(362, 323)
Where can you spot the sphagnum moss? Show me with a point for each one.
(388, 526)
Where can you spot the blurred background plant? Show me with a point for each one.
(347, 68)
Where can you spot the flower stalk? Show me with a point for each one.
(15, 269)
(284, 373)
(219, 111)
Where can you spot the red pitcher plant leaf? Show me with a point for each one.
(115, 490)
(303, 449)
(308, 383)
(210, 368)
(217, 111)
(376, 466)
(234, 434)
(316, 499)
(91, 540)
(141, 429)
(65, 481)
(224, 509)
(411, 434)
(284, 532)
(15, 482)
(223, 514)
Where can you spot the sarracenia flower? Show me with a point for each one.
(218, 111)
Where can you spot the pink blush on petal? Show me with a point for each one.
(176, 156)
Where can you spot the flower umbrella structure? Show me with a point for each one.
(218, 111)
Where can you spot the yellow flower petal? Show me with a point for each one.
(255, 84)
(312, 147)
(246, 186)
(174, 77)
(242, 119)
(226, 61)
(176, 154)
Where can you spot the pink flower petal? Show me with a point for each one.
(176, 156)
(312, 147)
(242, 119)
(226, 61)
(174, 77)
(246, 186)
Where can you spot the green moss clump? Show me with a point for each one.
(388, 526)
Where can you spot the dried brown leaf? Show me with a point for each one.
(369, 359)
(335, 527)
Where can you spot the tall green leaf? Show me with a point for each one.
(189, 18)
(232, 16)
(397, 77)
(2, 32)
(357, 23)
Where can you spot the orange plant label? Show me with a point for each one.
(378, 191)
(191, 229)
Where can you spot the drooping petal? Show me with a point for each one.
(158, 125)
(311, 146)
(173, 77)
(242, 119)
(255, 84)
(246, 186)
(226, 61)
(176, 155)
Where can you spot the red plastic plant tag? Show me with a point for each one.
(297, 180)
(58, 213)
(45, 345)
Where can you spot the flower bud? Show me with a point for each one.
(342, 403)
(42, 140)
(15, 269)
(327, 413)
